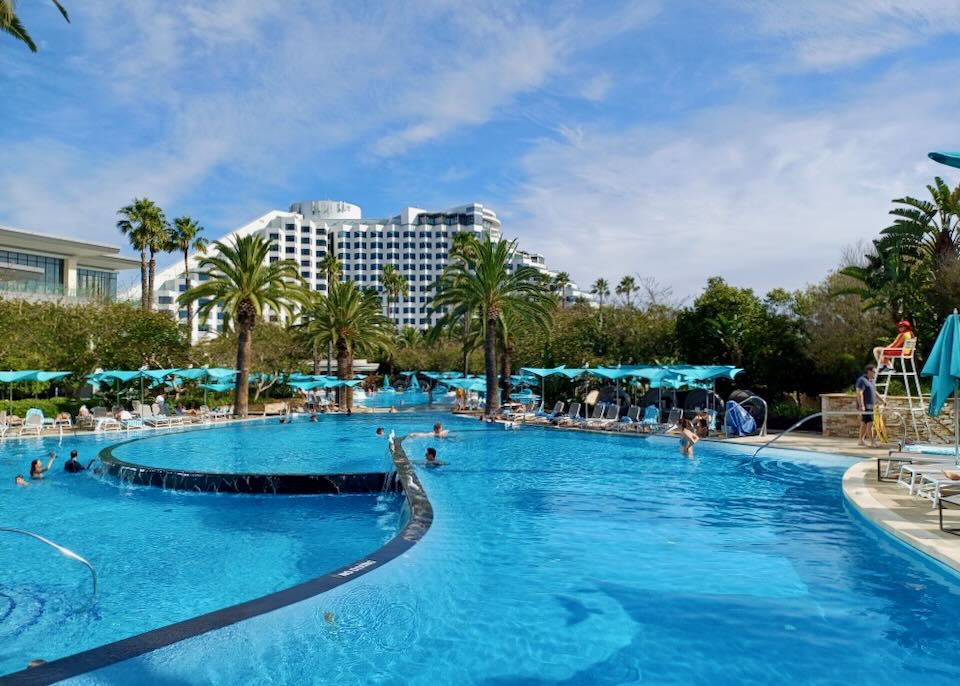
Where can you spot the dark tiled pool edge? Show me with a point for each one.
(421, 517)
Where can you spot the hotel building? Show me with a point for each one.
(416, 241)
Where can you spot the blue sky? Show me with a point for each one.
(751, 139)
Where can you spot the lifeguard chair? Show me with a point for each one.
(900, 364)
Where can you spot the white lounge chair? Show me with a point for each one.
(33, 423)
(631, 420)
(151, 419)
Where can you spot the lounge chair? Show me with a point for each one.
(32, 423)
(151, 419)
(631, 419)
(597, 418)
(895, 459)
(568, 418)
(933, 484)
(910, 475)
(556, 412)
(651, 418)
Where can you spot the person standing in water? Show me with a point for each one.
(688, 438)
(37, 469)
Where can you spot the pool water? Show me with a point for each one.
(405, 399)
(160, 556)
(334, 444)
(557, 557)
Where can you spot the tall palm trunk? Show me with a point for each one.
(466, 344)
(143, 278)
(505, 364)
(490, 364)
(186, 275)
(345, 372)
(329, 359)
(316, 359)
(246, 320)
(151, 272)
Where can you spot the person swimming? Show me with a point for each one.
(688, 438)
(438, 432)
(430, 458)
(21, 481)
(380, 431)
(37, 470)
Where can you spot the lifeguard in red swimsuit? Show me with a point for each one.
(895, 349)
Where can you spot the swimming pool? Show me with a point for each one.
(405, 399)
(558, 557)
(161, 557)
(334, 444)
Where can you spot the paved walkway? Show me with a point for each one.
(907, 517)
(816, 443)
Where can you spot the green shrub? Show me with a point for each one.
(51, 407)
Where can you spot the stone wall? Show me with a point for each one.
(847, 426)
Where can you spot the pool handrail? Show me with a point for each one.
(803, 420)
(66, 552)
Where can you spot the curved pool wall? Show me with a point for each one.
(217, 482)
(418, 519)
(596, 559)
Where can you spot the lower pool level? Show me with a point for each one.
(160, 556)
(566, 558)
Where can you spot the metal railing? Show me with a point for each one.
(66, 552)
(54, 292)
(825, 414)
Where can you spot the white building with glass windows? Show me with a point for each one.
(416, 241)
(39, 267)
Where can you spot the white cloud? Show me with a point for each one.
(764, 198)
(596, 89)
(829, 34)
(172, 95)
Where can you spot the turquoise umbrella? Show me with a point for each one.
(29, 375)
(943, 365)
(218, 387)
(951, 159)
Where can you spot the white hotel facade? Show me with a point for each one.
(416, 241)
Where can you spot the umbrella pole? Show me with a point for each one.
(956, 421)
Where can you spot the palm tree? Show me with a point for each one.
(10, 22)
(330, 268)
(560, 282)
(395, 285)
(244, 284)
(352, 321)
(185, 236)
(463, 244)
(601, 289)
(483, 281)
(143, 223)
(626, 288)
(409, 337)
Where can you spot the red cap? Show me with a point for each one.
(905, 324)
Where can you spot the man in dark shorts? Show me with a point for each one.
(866, 397)
(72, 465)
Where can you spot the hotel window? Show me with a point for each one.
(52, 277)
(165, 299)
(319, 253)
(274, 236)
(305, 251)
(290, 250)
(94, 283)
(321, 242)
(305, 240)
(274, 259)
(290, 227)
(305, 273)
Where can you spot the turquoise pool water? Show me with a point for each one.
(335, 443)
(405, 399)
(557, 557)
(161, 556)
